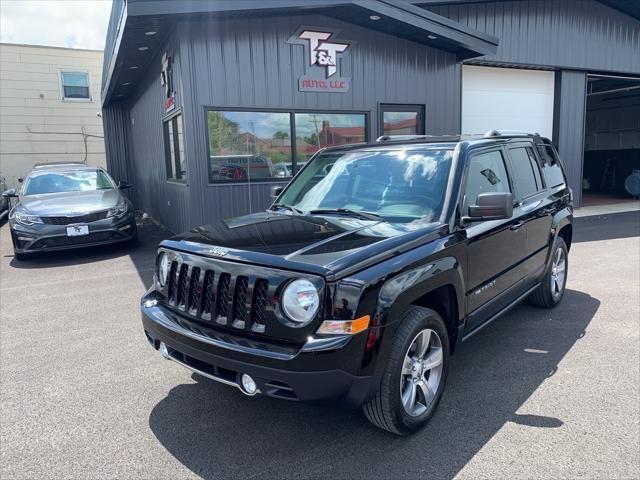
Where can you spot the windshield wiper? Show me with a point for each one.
(287, 207)
(347, 211)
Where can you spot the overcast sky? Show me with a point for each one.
(59, 23)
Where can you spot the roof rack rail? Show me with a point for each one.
(499, 133)
(400, 138)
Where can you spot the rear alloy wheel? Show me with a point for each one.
(415, 374)
(551, 290)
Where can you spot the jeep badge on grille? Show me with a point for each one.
(220, 251)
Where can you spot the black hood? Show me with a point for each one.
(319, 244)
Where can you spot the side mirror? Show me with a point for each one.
(276, 190)
(122, 185)
(491, 206)
(11, 193)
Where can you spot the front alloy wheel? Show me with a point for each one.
(421, 372)
(415, 374)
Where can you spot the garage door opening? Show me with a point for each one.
(611, 171)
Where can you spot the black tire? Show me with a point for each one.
(545, 295)
(386, 410)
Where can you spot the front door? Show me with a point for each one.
(401, 119)
(496, 248)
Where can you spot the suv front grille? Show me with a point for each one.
(239, 302)
(88, 218)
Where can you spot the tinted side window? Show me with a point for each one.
(551, 166)
(487, 173)
(526, 172)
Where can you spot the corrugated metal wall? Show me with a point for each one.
(582, 34)
(569, 121)
(247, 63)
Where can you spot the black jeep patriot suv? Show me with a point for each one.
(371, 265)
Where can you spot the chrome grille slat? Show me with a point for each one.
(208, 295)
(222, 303)
(240, 295)
(173, 282)
(194, 291)
(182, 286)
(259, 305)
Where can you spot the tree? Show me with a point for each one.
(223, 133)
(280, 135)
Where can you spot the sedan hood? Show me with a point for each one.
(70, 203)
(319, 244)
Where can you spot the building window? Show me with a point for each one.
(250, 146)
(75, 86)
(401, 120)
(318, 130)
(175, 157)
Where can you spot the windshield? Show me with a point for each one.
(69, 181)
(398, 185)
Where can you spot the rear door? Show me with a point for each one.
(533, 199)
(496, 248)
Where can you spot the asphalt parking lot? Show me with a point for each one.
(538, 394)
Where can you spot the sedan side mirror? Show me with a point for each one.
(276, 190)
(11, 193)
(491, 206)
(122, 185)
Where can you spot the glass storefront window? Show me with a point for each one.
(318, 130)
(249, 146)
(400, 123)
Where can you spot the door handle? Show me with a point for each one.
(516, 226)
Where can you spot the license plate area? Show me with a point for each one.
(77, 230)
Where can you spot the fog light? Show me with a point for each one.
(248, 384)
(164, 351)
(150, 303)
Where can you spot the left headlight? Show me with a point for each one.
(300, 301)
(25, 219)
(118, 211)
(163, 268)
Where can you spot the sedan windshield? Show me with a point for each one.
(67, 181)
(397, 185)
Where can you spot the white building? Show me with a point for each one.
(49, 104)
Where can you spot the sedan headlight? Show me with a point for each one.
(118, 211)
(300, 301)
(25, 219)
(163, 269)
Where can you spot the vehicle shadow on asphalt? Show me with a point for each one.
(606, 227)
(142, 254)
(217, 432)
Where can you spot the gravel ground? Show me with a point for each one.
(538, 394)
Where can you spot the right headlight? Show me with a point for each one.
(300, 301)
(163, 269)
(25, 219)
(118, 211)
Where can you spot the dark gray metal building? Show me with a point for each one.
(208, 103)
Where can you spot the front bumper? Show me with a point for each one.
(45, 238)
(318, 371)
